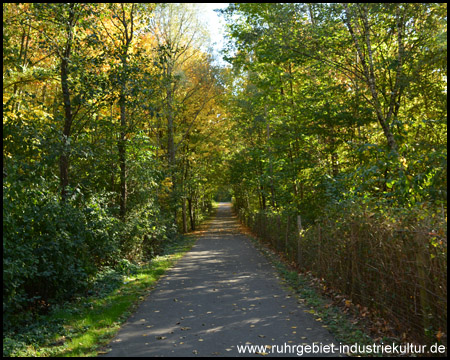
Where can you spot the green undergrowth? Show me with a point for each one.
(341, 325)
(83, 326)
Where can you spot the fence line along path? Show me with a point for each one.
(222, 295)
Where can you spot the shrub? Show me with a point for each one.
(50, 249)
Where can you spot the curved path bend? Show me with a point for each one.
(221, 295)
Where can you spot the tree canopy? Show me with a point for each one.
(120, 129)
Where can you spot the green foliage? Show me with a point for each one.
(50, 249)
(144, 232)
(113, 143)
(81, 326)
(339, 111)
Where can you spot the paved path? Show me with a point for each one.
(220, 295)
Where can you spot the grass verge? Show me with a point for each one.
(348, 323)
(82, 327)
(346, 328)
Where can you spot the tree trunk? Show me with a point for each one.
(121, 145)
(191, 213)
(170, 141)
(269, 150)
(185, 229)
(123, 167)
(64, 157)
(368, 69)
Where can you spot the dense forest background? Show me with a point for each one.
(340, 135)
(111, 140)
(328, 128)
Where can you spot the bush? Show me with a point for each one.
(50, 249)
(144, 232)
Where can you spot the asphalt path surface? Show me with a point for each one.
(221, 295)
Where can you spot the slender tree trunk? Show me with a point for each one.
(261, 187)
(269, 150)
(183, 207)
(263, 198)
(191, 213)
(122, 158)
(294, 178)
(170, 129)
(334, 164)
(121, 144)
(170, 141)
(64, 157)
(368, 69)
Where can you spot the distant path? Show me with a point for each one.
(221, 294)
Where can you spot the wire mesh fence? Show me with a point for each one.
(396, 267)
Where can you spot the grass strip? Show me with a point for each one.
(82, 327)
(341, 325)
